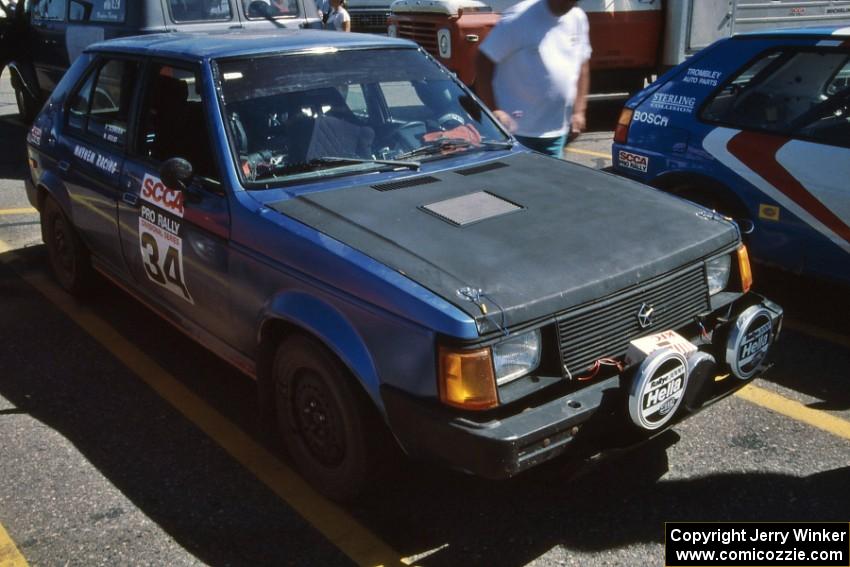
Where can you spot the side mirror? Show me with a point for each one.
(176, 173)
(259, 9)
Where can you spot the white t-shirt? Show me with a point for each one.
(538, 59)
(337, 18)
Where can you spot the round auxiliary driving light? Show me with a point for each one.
(658, 389)
(749, 341)
(702, 368)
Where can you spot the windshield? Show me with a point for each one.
(295, 116)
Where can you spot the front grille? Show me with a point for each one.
(423, 33)
(369, 22)
(589, 333)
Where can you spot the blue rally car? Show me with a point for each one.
(758, 128)
(338, 217)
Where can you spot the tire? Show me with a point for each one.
(27, 105)
(323, 418)
(69, 259)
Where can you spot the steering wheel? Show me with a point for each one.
(407, 133)
(450, 120)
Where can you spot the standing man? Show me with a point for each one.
(534, 70)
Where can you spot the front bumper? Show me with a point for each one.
(584, 422)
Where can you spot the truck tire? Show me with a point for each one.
(324, 420)
(69, 258)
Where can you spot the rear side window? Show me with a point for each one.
(792, 93)
(199, 10)
(105, 11)
(264, 9)
(48, 9)
(101, 106)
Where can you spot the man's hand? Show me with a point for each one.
(578, 124)
(506, 120)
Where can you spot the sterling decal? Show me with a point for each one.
(651, 118)
(703, 77)
(674, 102)
(160, 241)
(104, 163)
(633, 161)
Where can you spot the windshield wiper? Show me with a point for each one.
(448, 144)
(346, 160)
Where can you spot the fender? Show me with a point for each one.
(52, 185)
(331, 327)
(23, 76)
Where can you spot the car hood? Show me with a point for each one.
(526, 235)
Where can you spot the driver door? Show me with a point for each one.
(176, 242)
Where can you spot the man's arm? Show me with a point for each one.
(578, 122)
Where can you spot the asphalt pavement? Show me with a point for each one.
(122, 442)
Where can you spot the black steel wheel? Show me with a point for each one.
(324, 418)
(68, 256)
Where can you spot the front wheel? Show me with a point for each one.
(68, 256)
(324, 420)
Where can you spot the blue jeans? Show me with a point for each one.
(549, 146)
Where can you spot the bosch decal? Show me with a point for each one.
(105, 163)
(34, 136)
(651, 118)
(702, 77)
(160, 222)
(676, 103)
(633, 161)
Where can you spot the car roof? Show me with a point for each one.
(829, 31)
(196, 45)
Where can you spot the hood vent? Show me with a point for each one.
(393, 185)
(472, 208)
(482, 168)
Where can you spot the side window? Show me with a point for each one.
(356, 101)
(48, 9)
(199, 10)
(97, 11)
(262, 9)
(173, 123)
(794, 93)
(101, 106)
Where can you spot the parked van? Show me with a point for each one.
(52, 33)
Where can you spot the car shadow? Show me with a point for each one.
(811, 307)
(216, 510)
(13, 154)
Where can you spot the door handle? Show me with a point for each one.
(64, 166)
(131, 199)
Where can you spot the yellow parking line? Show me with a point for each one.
(589, 153)
(816, 332)
(340, 528)
(795, 410)
(21, 211)
(9, 554)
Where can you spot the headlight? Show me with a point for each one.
(392, 30)
(717, 273)
(444, 43)
(516, 357)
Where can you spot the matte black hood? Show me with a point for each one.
(536, 235)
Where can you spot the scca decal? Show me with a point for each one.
(633, 161)
(156, 193)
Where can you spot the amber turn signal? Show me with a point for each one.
(621, 132)
(744, 269)
(466, 378)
